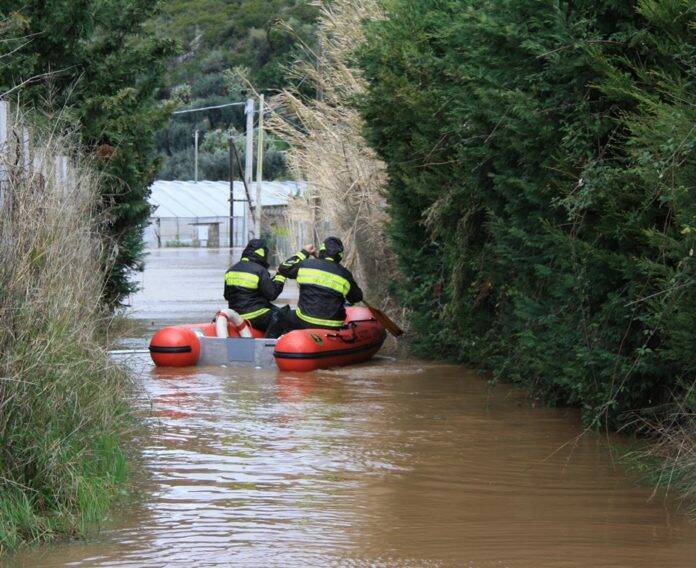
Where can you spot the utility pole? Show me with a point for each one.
(320, 97)
(4, 125)
(230, 141)
(26, 150)
(259, 170)
(249, 157)
(195, 157)
(320, 70)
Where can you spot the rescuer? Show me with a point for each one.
(325, 287)
(249, 288)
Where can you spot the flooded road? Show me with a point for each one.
(392, 463)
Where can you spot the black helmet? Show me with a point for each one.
(257, 251)
(332, 249)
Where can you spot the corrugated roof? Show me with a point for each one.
(211, 198)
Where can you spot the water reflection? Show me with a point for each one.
(295, 388)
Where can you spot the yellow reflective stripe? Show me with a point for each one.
(257, 313)
(317, 321)
(242, 279)
(323, 278)
(260, 252)
(279, 278)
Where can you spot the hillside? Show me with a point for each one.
(222, 45)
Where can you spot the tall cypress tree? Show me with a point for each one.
(89, 63)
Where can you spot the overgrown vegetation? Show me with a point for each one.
(63, 403)
(542, 174)
(671, 457)
(90, 65)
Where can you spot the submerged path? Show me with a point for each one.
(395, 463)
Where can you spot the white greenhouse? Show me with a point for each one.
(197, 214)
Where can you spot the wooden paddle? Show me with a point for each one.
(384, 319)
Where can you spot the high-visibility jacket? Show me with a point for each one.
(325, 287)
(249, 288)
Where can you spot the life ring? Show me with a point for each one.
(238, 322)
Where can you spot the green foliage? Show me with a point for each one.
(258, 34)
(226, 46)
(213, 156)
(542, 189)
(176, 140)
(89, 64)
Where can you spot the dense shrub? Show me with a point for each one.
(209, 85)
(541, 157)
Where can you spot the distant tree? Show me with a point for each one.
(213, 158)
(89, 63)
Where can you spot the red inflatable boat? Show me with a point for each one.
(310, 349)
(230, 340)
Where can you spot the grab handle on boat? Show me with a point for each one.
(227, 315)
(353, 339)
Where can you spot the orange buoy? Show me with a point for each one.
(175, 347)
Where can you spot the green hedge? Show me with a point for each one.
(542, 172)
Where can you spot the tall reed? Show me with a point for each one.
(63, 403)
(344, 176)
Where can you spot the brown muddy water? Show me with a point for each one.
(397, 463)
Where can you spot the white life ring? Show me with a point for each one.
(240, 324)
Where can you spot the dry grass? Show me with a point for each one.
(670, 457)
(345, 178)
(63, 404)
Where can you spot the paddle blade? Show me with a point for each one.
(386, 322)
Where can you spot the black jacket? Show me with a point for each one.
(249, 288)
(325, 286)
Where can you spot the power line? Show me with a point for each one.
(207, 108)
(267, 112)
